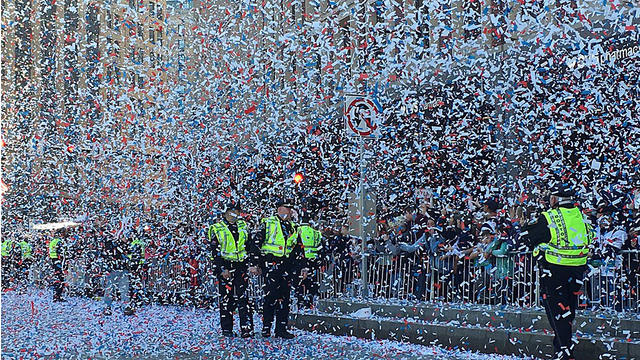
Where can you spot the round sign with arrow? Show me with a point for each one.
(361, 116)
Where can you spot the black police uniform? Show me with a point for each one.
(58, 270)
(137, 269)
(233, 291)
(307, 289)
(279, 274)
(560, 287)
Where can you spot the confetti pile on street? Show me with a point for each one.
(33, 327)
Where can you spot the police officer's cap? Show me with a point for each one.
(285, 203)
(562, 190)
(232, 206)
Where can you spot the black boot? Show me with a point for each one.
(284, 334)
(266, 332)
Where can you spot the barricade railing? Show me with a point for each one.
(511, 279)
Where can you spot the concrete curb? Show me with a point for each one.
(527, 319)
(485, 340)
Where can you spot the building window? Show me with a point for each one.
(345, 36)
(422, 20)
(471, 11)
(444, 23)
(565, 10)
(116, 22)
(108, 74)
(152, 37)
(293, 10)
(498, 8)
(109, 18)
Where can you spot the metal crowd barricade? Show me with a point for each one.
(208, 281)
(511, 279)
(40, 273)
(613, 284)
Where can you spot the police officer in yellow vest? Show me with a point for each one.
(560, 238)
(7, 248)
(137, 250)
(8, 261)
(279, 253)
(230, 239)
(307, 287)
(57, 256)
(24, 264)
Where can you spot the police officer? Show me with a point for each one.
(278, 243)
(117, 264)
(8, 260)
(57, 255)
(137, 250)
(26, 259)
(230, 239)
(560, 238)
(307, 287)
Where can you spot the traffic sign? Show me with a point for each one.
(362, 116)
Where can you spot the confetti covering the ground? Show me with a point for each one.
(141, 121)
(35, 327)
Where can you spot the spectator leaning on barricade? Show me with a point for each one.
(10, 257)
(343, 259)
(631, 267)
(502, 274)
(481, 251)
(435, 244)
(417, 245)
(610, 238)
(481, 268)
(460, 250)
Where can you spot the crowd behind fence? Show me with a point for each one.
(511, 279)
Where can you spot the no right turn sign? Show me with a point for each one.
(362, 116)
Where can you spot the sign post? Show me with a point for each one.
(362, 116)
